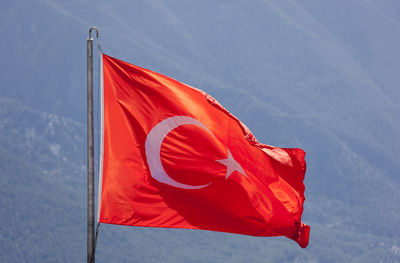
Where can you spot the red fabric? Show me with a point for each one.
(262, 196)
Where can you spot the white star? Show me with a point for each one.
(231, 165)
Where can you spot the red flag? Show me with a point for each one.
(174, 157)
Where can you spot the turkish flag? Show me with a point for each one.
(173, 157)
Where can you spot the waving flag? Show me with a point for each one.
(174, 157)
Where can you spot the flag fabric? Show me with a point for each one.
(173, 157)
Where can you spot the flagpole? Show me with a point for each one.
(90, 149)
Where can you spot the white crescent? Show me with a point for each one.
(153, 146)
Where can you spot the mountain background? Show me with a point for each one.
(319, 75)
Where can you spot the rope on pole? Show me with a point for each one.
(95, 243)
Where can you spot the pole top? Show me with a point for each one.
(90, 32)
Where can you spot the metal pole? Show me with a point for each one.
(90, 149)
